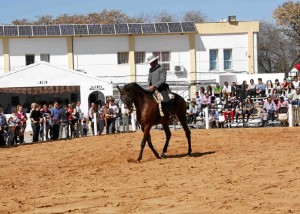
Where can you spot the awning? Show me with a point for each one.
(41, 90)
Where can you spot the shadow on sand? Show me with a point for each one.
(194, 155)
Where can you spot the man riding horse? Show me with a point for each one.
(157, 82)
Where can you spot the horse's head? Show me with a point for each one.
(126, 96)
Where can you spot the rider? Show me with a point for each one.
(157, 80)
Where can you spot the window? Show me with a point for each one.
(227, 59)
(164, 59)
(139, 57)
(45, 57)
(213, 59)
(29, 58)
(123, 57)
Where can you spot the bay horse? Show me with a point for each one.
(148, 114)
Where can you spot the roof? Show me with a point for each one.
(96, 29)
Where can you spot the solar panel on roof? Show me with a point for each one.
(135, 28)
(121, 28)
(39, 30)
(10, 30)
(148, 28)
(108, 29)
(53, 30)
(1, 31)
(25, 31)
(80, 29)
(94, 29)
(175, 27)
(162, 28)
(188, 26)
(66, 30)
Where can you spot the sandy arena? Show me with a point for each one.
(254, 170)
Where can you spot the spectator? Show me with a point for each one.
(125, 117)
(218, 90)
(206, 101)
(209, 90)
(226, 90)
(11, 131)
(22, 123)
(264, 117)
(36, 119)
(100, 119)
(221, 119)
(270, 106)
(296, 82)
(201, 92)
(283, 105)
(85, 126)
(213, 118)
(269, 87)
(8, 109)
(249, 109)
(277, 85)
(192, 113)
(55, 121)
(295, 97)
(47, 122)
(251, 89)
(229, 112)
(63, 122)
(260, 88)
(72, 119)
(233, 89)
(284, 85)
(79, 117)
(111, 117)
(2, 124)
(197, 99)
(239, 111)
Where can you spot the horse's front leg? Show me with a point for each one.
(147, 137)
(152, 148)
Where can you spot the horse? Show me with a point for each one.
(148, 114)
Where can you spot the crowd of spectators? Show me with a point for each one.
(61, 121)
(235, 103)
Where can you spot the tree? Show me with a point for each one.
(194, 16)
(275, 50)
(288, 17)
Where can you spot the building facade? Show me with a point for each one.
(193, 53)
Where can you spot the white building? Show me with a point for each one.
(192, 53)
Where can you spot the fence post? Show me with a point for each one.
(95, 124)
(291, 115)
(206, 118)
(133, 127)
(44, 131)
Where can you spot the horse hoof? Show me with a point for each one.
(163, 155)
(189, 154)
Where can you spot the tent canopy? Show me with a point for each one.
(44, 78)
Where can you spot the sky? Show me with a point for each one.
(214, 10)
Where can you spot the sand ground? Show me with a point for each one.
(253, 170)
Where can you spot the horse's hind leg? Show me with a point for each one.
(183, 120)
(168, 137)
(151, 146)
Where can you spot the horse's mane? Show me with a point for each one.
(136, 88)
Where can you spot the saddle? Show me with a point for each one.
(159, 99)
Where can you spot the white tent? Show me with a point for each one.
(44, 78)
